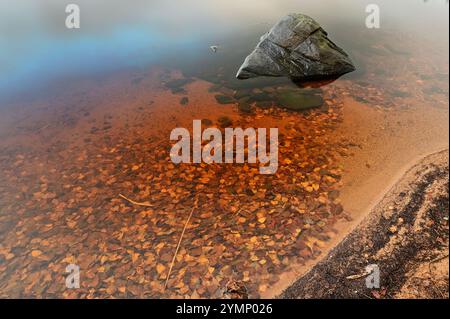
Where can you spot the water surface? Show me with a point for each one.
(85, 117)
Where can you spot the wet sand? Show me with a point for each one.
(405, 235)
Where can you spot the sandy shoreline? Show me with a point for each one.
(405, 230)
(379, 160)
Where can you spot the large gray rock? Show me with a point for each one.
(296, 47)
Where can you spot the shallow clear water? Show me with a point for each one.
(85, 118)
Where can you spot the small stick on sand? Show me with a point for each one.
(146, 204)
(359, 276)
(179, 243)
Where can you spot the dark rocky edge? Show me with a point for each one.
(408, 229)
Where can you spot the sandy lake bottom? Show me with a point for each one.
(72, 163)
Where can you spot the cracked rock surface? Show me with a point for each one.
(296, 47)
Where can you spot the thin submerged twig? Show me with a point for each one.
(179, 244)
(146, 204)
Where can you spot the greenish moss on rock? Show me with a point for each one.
(264, 104)
(245, 107)
(259, 97)
(244, 100)
(300, 100)
(223, 99)
(239, 94)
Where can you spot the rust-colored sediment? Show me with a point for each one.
(66, 159)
